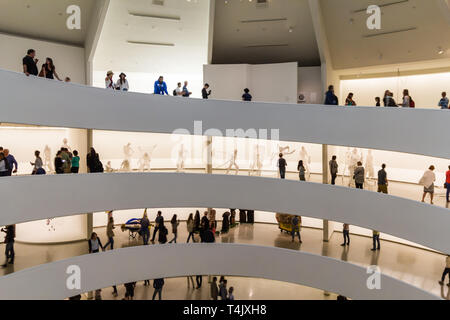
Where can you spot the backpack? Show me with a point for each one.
(412, 104)
(175, 92)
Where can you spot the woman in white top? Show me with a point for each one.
(122, 83)
(109, 82)
(37, 163)
(427, 181)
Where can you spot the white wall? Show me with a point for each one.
(310, 84)
(267, 82)
(425, 89)
(69, 60)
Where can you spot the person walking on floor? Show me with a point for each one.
(145, 231)
(427, 181)
(110, 233)
(296, 225)
(95, 244)
(333, 170)
(346, 234)
(175, 223)
(382, 180)
(199, 281)
(447, 184)
(376, 240)
(214, 289)
(159, 222)
(230, 294)
(223, 292)
(446, 272)
(129, 290)
(158, 285)
(359, 176)
(190, 282)
(10, 232)
(190, 228)
(282, 164)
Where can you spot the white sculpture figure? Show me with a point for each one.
(256, 166)
(48, 158)
(128, 152)
(109, 168)
(144, 162)
(354, 158)
(369, 165)
(284, 150)
(306, 161)
(125, 166)
(181, 158)
(145, 159)
(232, 162)
(66, 145)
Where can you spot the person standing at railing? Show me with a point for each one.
(443, 103)
(160, 87)
(186, 92)
(247, 96)
(109, 82)
(30, 63)
(122, 83)
(349, 102)
(4, 165)
(205, 92)
(9, 242)
(330, 98)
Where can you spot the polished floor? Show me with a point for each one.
(418, 267)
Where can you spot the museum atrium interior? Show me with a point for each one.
(244, 117)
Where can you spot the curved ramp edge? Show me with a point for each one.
(65, 195)
(55, 104)
(101, 270)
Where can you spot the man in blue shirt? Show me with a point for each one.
(330, 97)
(161, 87)
(11, 161)
(186, 92)
(443, 103)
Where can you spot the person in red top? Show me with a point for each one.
(447, 183)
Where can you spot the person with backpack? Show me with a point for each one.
(407, 101)
(443, 103)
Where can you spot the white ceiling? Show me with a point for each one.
(236, 41)
(44, 19)
(181, 24)
(347, 31)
